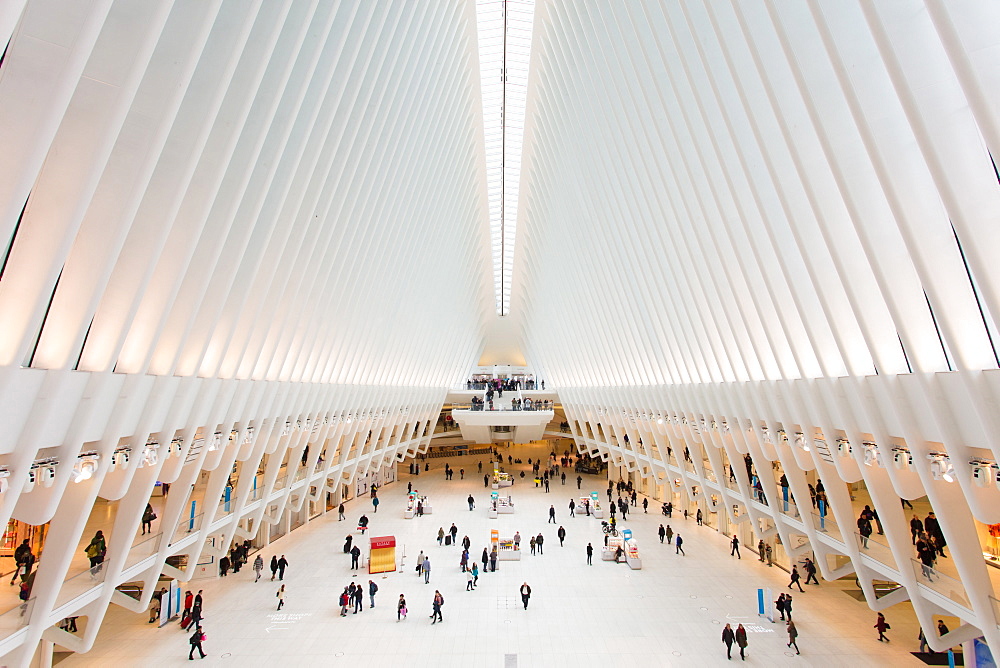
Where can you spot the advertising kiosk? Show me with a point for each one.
(411, 505)
(507, 549)
(631, 550)
(596, 509)
(382, 558)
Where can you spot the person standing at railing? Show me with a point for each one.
(148, 516)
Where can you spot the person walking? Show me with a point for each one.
(486, 560)
(562, 536)
(517, 540)
(531, 542)
(579, 480)
(340, 513)
(468, 580)
(796, 579)
(779, 605)
(793, 634)
(590, 554)
(281, 596)
(282, 565)
(372, 590)
(401, 608)
(552, 515)
(736, 547)
(355, 556)
(224, 564)
(788, 606)
(486, 481)
(882, 626)
(670, 535)
(562, 477)
(196, 639)
(374, 505)
(770, 553)
(258, 566)
(440, 536)
(728, 638)
(572, 507)
(741, 640)
(661, 532)
(454, 534)
(698, 517)
(493, 560)
(426, 569)
(760, 550)
(475, 575)
(810, 571)
(436, 607)
(472, 503)
(645, 506)
(525, 594)
(679, 542)
(96, 550)
(539, 539)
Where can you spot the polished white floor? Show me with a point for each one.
(670, 613)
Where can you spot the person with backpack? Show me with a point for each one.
(96, 550)
(372, 589)
(197, 638)
(23, 561)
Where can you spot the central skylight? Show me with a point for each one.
(504, 51)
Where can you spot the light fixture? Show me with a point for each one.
(287, 429)
(873, 456)
(215, 442)
(982, 473)
(120, 458)
(248, 435)
(941, 467)
(150, 456)
(85, 467)
(766, 434)
(46, 475)
(844, 447)
(175, 447)
(902, 458)
(800, 440)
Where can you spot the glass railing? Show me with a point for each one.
(16, 618)
(500, 409)
(187, 526)
(789, 509)
(996, 609)
(79, 584)
(943, 584)
(876, 549)
(280, 482)
(300, 474)
(226, 506)
(142, 550)
(826, 524)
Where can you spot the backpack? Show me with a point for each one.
(92, 550)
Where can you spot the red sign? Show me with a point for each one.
(380, 542)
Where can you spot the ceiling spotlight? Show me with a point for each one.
(46, 475)
(150, 456)
(982, 473)
(215, 442)
(902, 458)
(941, 468)
(873, 456)
(844, 447)
(120, 458)
(84, 468)
(659, 420)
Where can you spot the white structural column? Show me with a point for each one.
(756, 234)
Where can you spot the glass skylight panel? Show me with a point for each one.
(504, 28)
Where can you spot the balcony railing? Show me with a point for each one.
(143, 550)
(943, 584)
(876, 549)
(80, 583)
(826, 524)
(16, 618)
(187, 526)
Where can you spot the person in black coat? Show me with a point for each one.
(196, 640)
(933, 529)
(274, 566)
